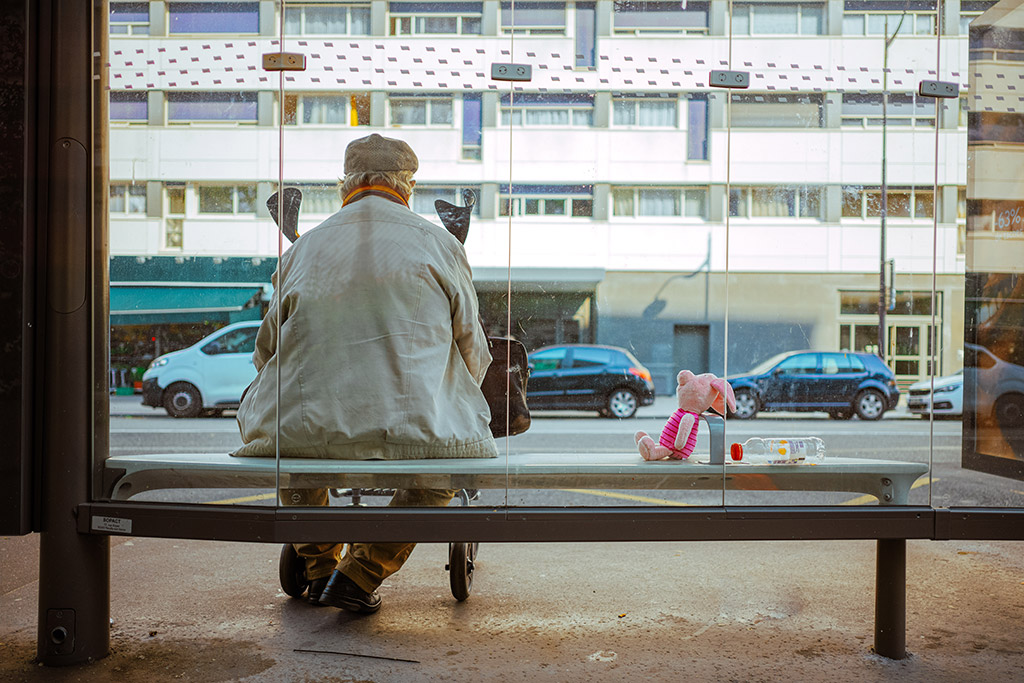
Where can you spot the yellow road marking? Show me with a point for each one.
(244, 499)
(861, 500)
(626, 496)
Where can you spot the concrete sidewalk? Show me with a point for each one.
(726, 611)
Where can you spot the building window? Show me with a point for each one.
(174, 220)
(585, 35)
(424, 196)
(775, 201)
(533, 18)
(902, 109)
(646, 112)
(697, 128)
(327, 20)
(213, 17)
(995, 127)
(472, 126)
(908, 302)
(547, 110)
(576, 201)
(882, 18)
(129, 18)
(129, 106)
(320, 199)
(753, 110)
(443, 18)
(659, 201)
(410, 110)
(901, 202)
(778, 19)
(634, 18)
(326, 110)
(231, 199)
(971, 10)
(211, 106)
(127, 198)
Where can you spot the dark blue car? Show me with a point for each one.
(608, 379)
(841, 383)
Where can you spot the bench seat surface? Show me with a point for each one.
(128, 475)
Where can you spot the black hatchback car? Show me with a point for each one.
(607, 379)
(841, 383)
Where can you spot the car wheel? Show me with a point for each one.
(622, 403)
(870, 405)
(1009, 411)
(181, 399)
(746, 405)
(840, 414)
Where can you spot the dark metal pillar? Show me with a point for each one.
(74, 568)
(891, 598)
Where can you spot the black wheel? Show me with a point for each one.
(460, 568)
(621, 404)
(870, 405)
(845, 414)
(292, 571)
(746, 405)
(1009, 411)
(181, 399)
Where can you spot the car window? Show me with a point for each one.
(548, 359)
(582, 357)
(236, 341)
(835, 363)
(801, 364)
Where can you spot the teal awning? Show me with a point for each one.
(131, 305)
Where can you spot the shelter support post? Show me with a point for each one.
(891, 598)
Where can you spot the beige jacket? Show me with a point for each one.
(377, 339)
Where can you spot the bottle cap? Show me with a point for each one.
(736, 451)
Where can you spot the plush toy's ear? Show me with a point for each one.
(725, 395)
(683, 377)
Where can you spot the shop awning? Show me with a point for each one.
(138, 305)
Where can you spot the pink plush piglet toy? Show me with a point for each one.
(694, 395)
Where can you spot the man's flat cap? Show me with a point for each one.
(378, 153)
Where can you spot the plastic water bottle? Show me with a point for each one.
(774, 451)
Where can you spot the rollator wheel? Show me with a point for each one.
(460, 568)
(292, 571)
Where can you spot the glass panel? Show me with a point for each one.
(620, 238)
(192, 248)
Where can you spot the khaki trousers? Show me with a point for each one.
(367, 564)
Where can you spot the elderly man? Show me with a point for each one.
(375, 336)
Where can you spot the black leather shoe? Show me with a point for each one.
(316, 587)
(343, 592)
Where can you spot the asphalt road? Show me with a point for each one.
(136, 429)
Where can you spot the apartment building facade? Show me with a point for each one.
(621, 197)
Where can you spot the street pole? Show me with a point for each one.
(882, 304)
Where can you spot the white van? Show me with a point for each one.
(205, 378)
